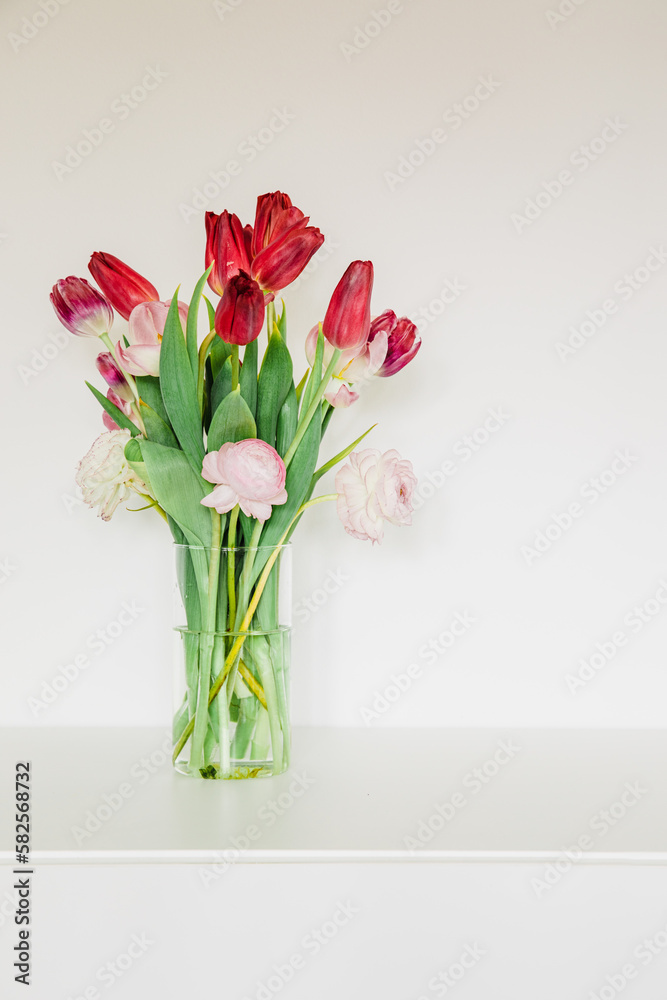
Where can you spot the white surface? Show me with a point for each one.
(408, 795)
(492, 346)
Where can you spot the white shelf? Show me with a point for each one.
(366, 791)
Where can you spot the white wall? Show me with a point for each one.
(353, 113)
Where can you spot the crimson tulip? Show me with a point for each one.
(275, 214)
(282, 261)
(348, 317)
(226, 245)
(80, 307)
(123, 287)
(403, 341)
(240, 314)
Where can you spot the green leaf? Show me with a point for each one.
(222, 386)
(302, 385)
(281, 322)
(315, 374)
(211, 313)
(232, 421)
(248, 376)
(299, 475)
(339, 457)
(156, 428)
(287, 420)
(114, 412)
(178, 490)
(135, 460)
(149, 392)
(179, 389)
(218, 354)
(275, 379)
(193, 314)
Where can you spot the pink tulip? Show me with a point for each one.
(250, 473)
(142, 356)
(123, 405)
(123, 287)
(80, 307)
(374, 488)
(113, 376)
(356, 365)
(240, 314)
(348, 317)
(226, 245)
(403, 341)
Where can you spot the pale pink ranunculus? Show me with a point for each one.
(104, 475)
(373, 488)
(356, 365)
(147, 320)
(250, 473)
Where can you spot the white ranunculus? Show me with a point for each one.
(104, 475)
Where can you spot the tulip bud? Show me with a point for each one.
(113, 376)
(226, 245)
(240, 313)
(275, 214)
(348, 317)
(403, 341)
(80, 307)
(123, 287)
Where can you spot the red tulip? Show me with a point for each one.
(226, 245)
(80, 307)
(282, 261)
(403, 341)
(275, 214)
(123, 287)
(240, 314)
(348, 317)
(113, 376)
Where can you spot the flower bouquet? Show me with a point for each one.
(225, 449)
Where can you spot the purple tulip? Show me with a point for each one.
(80, 307)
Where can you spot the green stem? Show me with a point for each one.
(231, 567)
(235, 366)
(252, 607)
(270, 319)
(207, 640)
(314, 405)
(203, 354)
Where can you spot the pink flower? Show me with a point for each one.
(374, 488)
(147, 320)
(403, 341)
(80, 307)
(113, 376)
(123, 405)
(250, 473)
(356, 365)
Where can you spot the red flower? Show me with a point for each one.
(240, 314)
(226, 245)
(348, 317)
(123, 287)
(403, 341)
(282, 241)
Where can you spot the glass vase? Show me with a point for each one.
(233, 630)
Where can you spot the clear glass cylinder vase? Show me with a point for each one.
(231, 691)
